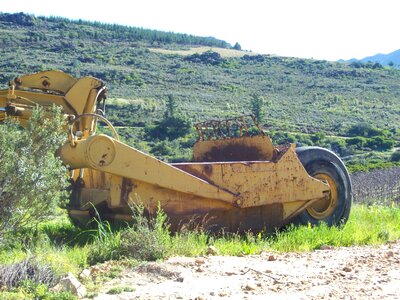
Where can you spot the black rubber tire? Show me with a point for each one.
(318, 160)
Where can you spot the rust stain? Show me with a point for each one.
(208, 170)
(126, 189)
(266, 217)
(233, 152)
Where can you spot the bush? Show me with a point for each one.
(208, 58)
(32, 179)
(380, 143)
(30, 269)
(364, 130)
(395, 156)
(281, 138)
(170, 128)
(148, 238)
(338, 146)
(358, 142)
(318, 138)
(162, 148)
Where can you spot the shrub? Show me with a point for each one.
(395, 156)
(32, 178)
(358, 142)
(338, 146)
(162, 148)
(257, 107)
(365, 130)
(148, 238)
(380, 143)
(318, 138)
(282, 138)
(208, 58)
(30, 269)
(170, 128)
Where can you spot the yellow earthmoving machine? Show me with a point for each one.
(235, 182)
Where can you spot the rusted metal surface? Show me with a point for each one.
(234, 149)
(265, 217)
(261, 182)
(235, 139)
(228, 128)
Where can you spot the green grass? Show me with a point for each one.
(68, 249)
(120, 289)
(61, 244)
(372, 225)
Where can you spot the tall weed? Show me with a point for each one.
(148, 238)
(106, 244)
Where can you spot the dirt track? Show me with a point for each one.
(342, 273)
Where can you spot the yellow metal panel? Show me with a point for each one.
(48, 80)
(78, 95)
(263, 182)
(134, 164)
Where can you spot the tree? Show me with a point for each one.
(257, 107)
(237, 47)
(171, 107)
(170, 128)
(32, 178)
(173, 125)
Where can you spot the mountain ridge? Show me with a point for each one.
(391, 59)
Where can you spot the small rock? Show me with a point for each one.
(199, 270)
(223, 293)
(179, 279)
(230, 273)
(212, 293)
(211, 250)
(347, 269)
(84, 274)
(72, 285)
(389, 254)
(325, 247)
(200, 261)
(268, 271)
(250, 286)
(271, 258)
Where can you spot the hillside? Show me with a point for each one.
(143, 67)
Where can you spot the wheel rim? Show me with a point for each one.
(323, 208)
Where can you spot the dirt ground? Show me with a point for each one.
(329, 273)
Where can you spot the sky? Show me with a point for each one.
(319, 29)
